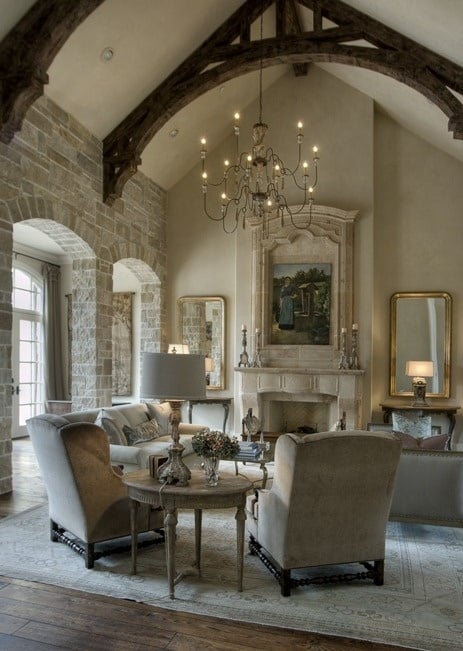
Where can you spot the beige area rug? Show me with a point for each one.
(420, 605)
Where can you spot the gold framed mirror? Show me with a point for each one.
(201, 325)
(420, 330)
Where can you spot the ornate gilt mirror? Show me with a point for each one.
(201, 325)
(421, 330)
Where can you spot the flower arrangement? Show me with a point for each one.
(213, 443)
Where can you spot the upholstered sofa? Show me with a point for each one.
(429, 481)
(136, 431)
(429, 488)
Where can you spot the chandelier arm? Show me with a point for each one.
(285, 171)
(206, 212)
(292, 213)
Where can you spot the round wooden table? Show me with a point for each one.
(230, 491)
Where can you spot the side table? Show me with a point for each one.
(267, 455)
(230, 491)
(447, 407)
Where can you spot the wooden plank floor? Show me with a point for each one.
(35, 616)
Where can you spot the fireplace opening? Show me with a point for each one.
(291, 415)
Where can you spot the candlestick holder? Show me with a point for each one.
(343, 361)
(244, 357)
(354, 361)
(257, 360)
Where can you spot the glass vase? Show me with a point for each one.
(211, 470)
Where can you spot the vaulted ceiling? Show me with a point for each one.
(168, 74)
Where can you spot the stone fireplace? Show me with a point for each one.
(286, 398)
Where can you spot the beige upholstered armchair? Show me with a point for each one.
(86, 496)
(328, 505)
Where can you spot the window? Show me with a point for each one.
(27, 349)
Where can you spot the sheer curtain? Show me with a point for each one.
(54, 377)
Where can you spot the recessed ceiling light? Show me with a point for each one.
(107, 54)
(173, 133)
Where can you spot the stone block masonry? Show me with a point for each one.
(52, 178)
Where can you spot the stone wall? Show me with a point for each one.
(52, 178)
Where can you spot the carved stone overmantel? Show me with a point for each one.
(328, 237)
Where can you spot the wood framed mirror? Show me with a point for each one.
(420, 330)
(201, 325)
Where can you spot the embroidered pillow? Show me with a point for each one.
(145, 432)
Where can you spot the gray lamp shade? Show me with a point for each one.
(172, 377)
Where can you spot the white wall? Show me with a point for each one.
(418, 239)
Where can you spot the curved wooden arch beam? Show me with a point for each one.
(390, 53)
(27, 52)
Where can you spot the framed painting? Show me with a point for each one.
(301, 304)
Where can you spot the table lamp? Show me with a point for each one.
(419, 371)
(173, 378)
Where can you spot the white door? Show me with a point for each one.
(27, 355)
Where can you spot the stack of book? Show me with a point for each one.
(248, 450)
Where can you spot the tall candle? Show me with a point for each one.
(343, 331)
(243, 327)
(355, 326)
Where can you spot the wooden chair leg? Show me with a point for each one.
(285, 583)
(89, 555)
(379, 572)
(53, 530)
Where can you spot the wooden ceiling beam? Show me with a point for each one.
(27, 52)
(29, 49)
(388, 53)
(287, 23)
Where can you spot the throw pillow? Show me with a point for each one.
(438, 442)
(408, 442)
(160, 411)
(146, 432)
(112, 427)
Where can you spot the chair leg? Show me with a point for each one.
(285, 583)
(89, 555)
(379, 572)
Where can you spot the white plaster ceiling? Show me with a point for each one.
(151, 37)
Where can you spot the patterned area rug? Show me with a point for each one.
(420, 605)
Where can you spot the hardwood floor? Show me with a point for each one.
(36, 617)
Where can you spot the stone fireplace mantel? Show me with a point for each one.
(339, 390)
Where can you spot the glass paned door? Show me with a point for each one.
(27, 381)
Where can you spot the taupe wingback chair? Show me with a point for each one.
(86, 496)
(328, 505)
